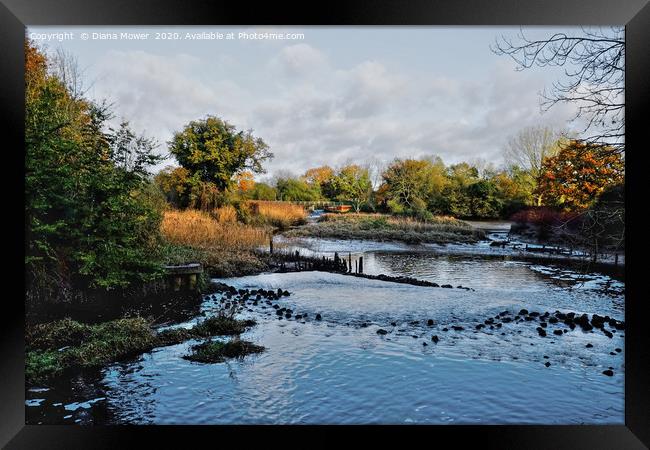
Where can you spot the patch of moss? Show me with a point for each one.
(217, 351)
(221, 325)
(39, 364)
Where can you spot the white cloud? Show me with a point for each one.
(312, 110)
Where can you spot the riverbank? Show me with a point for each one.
(381, 227)
(65, 346)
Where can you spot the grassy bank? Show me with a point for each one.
(379, 227)
(67, 344)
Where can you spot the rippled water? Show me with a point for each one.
(339, 370)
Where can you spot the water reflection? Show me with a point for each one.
(339, 370)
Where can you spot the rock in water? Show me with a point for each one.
(382, 331)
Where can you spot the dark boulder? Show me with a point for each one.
(382, 331)
(608, 372)
(430, 322)
(523, 312)
(435, 339)
(541, 331)
(547, 364)
(589, 345)
(318, 317)
(557, 332)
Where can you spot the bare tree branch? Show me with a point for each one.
(594, 63)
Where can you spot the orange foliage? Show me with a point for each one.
(318, 175)
(580, 172)
(245, 181)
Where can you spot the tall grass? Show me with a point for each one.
(278, 214)
(199, 230)
(225, 214)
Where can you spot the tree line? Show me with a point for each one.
(544, 167)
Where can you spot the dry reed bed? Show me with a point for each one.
(279, 214)
(199, 230)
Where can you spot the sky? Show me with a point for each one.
(334, 95)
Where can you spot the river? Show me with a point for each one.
(340, 370)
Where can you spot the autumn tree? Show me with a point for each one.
(412, 185)
(318, 175)
(322, 179)
(352, 183)
(215, 151)
(578, 174)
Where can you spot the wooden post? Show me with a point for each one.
(350, 262)
(177, 283)
(192, 282)
(615, 259)
(361, 264)
(356, 266)
(271, 244)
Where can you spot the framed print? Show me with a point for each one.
(393, 217)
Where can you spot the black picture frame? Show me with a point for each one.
(635, 14)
